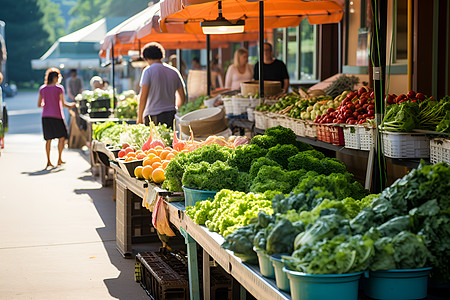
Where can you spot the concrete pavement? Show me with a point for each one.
(57, 227)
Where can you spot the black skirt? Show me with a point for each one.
(53, 128)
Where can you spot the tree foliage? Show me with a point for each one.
(26, 37)
(86, 12)
(53, 22)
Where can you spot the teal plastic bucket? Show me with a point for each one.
(192, 196)
(407, 284)
(323, 287)
(265, 265)
(280, 276)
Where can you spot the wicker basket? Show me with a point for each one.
(440, 150)
(252, 87)
(405, 145)
(260, 120)
(310, 129)
(351, 137)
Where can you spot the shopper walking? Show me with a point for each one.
(162, 90)
(51, 99)
(239, 71)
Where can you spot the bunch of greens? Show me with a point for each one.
(401, 117)
(192, 106)
(126, 108)
(211, 177)
(229, 210)
(432, 113)
(98, 128)
(177, 166)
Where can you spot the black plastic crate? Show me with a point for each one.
(99, 114)
(158, 279)
(100, 103)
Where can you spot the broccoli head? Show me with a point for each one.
(281, 154)
(282, 135)
(264, 141)
(274, 178)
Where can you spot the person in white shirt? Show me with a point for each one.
(239, 71)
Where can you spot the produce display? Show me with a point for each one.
(407, 226)
(294, 106)
(115, 134)
(417, 113)
(356, 108)
(127, 105)
(192, 105)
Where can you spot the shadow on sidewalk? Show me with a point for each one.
(124, 286)
(44, 171)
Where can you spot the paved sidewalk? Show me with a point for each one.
(57, 228)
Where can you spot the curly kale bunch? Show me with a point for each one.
(244, 156)
(258, 163)
(282, 135)
(272, 178)
(264, 141)
(210, 177)
(177, 166)
(281, 154)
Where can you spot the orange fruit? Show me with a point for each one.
(131, 154)
(163, 154)
(152, 151)
(147, 172)
(138, 172)
(165, 163)
(147, 162)
(158, 175)
(127, 159)
(168, 148)
(156, 165)
(141, 155)
(158, 148)
(156, 159)
(170, 156)
(175, 151)
(139, 151)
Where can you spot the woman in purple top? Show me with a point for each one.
(51, 98)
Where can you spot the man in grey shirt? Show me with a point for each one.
(162, 89)
(73, 86)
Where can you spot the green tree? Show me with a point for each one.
(54, 23)
(85, 12)
(26, 38)
(117, 8)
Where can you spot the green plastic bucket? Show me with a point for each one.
(192, 196)
(406, 284)
(280, 276)
(323, 287)
(265, 265)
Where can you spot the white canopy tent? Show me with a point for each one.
(79, 49)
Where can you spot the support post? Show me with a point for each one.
(261, 49)
(113, 75)
(194, 290)
(379, 8)
(208, 65)
(206, 277)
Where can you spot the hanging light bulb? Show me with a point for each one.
(222, 25)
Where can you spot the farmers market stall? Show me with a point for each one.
(279, 203)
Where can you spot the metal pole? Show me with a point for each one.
(410, 43)
(261, 49)
(113, 75)
(208, 65)
(379, 67)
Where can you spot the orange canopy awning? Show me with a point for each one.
(144, 28)
(277, 13)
